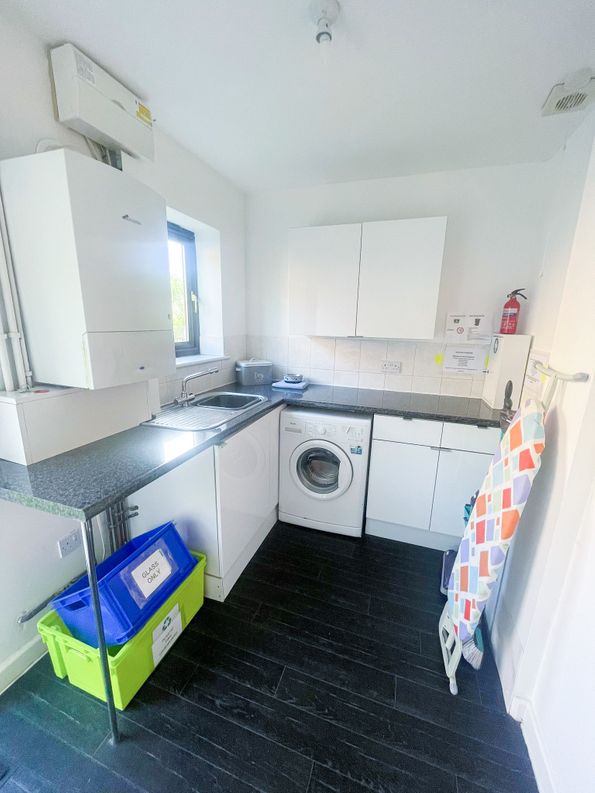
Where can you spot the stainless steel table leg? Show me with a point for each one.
(89, 546)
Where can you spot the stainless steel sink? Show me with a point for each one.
(228, 400)
(205, 413)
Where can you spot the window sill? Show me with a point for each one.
(195, 360)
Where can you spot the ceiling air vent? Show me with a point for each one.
(577, 92)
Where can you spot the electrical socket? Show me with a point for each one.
(69, 543)
(391, 366)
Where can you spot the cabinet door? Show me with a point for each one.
(187, 496)
(401, 483)
(460, 474)
(247, 488)
(401, 263)
(120, 230)
(323, 276)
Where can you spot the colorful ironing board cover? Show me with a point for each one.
(494, 519)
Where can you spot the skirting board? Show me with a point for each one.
(523, 711)
(219, 588)
(427, 539)
(18, 663)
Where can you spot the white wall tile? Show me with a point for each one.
(323, 376)
(276, 348)
(456, 386)
(428, 361)
(298, 356)
(322, 353)
(348, 379)
(347, 355)
(398, 382)
(255, 347)
(279, 372)
(426, 385)
(373, 354)
(371, 380)
(403, 351)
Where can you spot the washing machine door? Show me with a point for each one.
(320, 469)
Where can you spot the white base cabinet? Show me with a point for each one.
(223, 501)
(401, 488)
(422, 473)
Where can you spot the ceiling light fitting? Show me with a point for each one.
(324, 13)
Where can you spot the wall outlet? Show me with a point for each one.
(69, 543)
(391, 366)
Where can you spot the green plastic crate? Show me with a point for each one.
(130, 663)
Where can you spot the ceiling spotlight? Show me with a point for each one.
(324, 13)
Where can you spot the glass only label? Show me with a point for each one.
(151, 573)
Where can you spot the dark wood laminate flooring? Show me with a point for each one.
(321, 673)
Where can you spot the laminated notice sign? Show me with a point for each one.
(465, 359)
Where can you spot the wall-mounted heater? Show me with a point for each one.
(93, 103)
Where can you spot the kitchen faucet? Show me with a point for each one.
(184, 397)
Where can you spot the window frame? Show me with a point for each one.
(188, 240)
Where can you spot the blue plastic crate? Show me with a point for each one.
(133, 583)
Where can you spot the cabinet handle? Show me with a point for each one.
(440, 449)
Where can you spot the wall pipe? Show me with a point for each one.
(13, 313)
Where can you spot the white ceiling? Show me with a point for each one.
(407, 86)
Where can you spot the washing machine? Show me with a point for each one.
(323, 469)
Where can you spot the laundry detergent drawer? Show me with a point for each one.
(404, 430)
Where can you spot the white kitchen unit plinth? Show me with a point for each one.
(223, 501)
(422, 473)
(90, 253)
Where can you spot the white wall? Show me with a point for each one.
(494, 236)
(28, 538)
(544, 626)
(494, 243)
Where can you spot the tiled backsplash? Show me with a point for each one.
(358, 363)
(171, 387)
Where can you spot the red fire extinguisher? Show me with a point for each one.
(511, 311)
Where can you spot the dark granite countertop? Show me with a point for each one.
(83, 482)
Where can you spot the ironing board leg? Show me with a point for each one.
(90, 559)
(451, 648)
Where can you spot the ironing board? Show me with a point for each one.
(491, 527)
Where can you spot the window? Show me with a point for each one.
(184, 289)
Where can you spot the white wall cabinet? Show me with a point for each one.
(399, 280)
(90, 252)
(323, 278)
(223, 501)
(422, 473)
(378, 279)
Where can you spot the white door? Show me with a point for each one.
(120, 229)
(187, 496)
(244, 484)
(460, 474)
(401, 484)
(321, 470)
(401, 264)
(323, 276)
